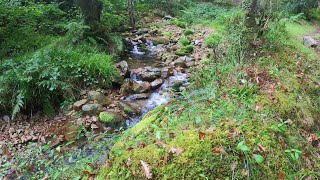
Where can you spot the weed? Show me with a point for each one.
(188, 32)
(184, 41)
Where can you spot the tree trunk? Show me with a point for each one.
(91, 10)
(132, 20)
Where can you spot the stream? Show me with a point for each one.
(158, 97)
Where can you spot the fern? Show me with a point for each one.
(19, 102)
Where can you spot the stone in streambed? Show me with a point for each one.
(123, 68)
(156, 84)
(310, 41)
(98, 98)
(111, 119)
(140, 87)
(92, 109)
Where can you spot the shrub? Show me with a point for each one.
(213, 41)
(276, 34)
(184, 41)
(44, 79)
(188, 32)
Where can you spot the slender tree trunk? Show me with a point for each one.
(131, 13)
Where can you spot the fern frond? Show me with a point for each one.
(19, 102)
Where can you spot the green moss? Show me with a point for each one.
(198, 156)
(106, 117)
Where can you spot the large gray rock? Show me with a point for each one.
(123, 68)
(181, 61)
(142, 31)
(160, 40)
(92, 109)
(310, 41)
(146, 74)
(98, 98)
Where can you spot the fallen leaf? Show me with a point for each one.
(262, 148)
(129, 162)
(290, 122)
(245, 172)
(218, 150)
(281, 176)
(171, 135)
(258, 107)
(233, 166)
(177, 151)
(146, 169)
(201, 135)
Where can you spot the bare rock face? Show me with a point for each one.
(310, 41)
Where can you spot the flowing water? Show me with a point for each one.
(139, 59)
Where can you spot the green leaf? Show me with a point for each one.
(51, 153)
(118, 151)
(45, 147)
(158, 134)
(198, 120)
(242, 147)
(259, 159)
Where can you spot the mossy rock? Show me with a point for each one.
(208, 153)
(111, 119)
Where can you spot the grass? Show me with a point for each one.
(239, 121)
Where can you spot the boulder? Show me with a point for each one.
(156, 84)
(310, 41)
(166, 72)
(92, 109)
(181, 61)
(142, 31)
(140, 87)
(127, 108)
(160, 40)
(111, 119)
(123, 68)
(149, 74)
(126, 87)
(77, 105)
(98, 98)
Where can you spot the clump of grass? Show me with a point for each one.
(188, 32)
(188, 49)
(180, 24)
(167, 34)
(184, 41)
